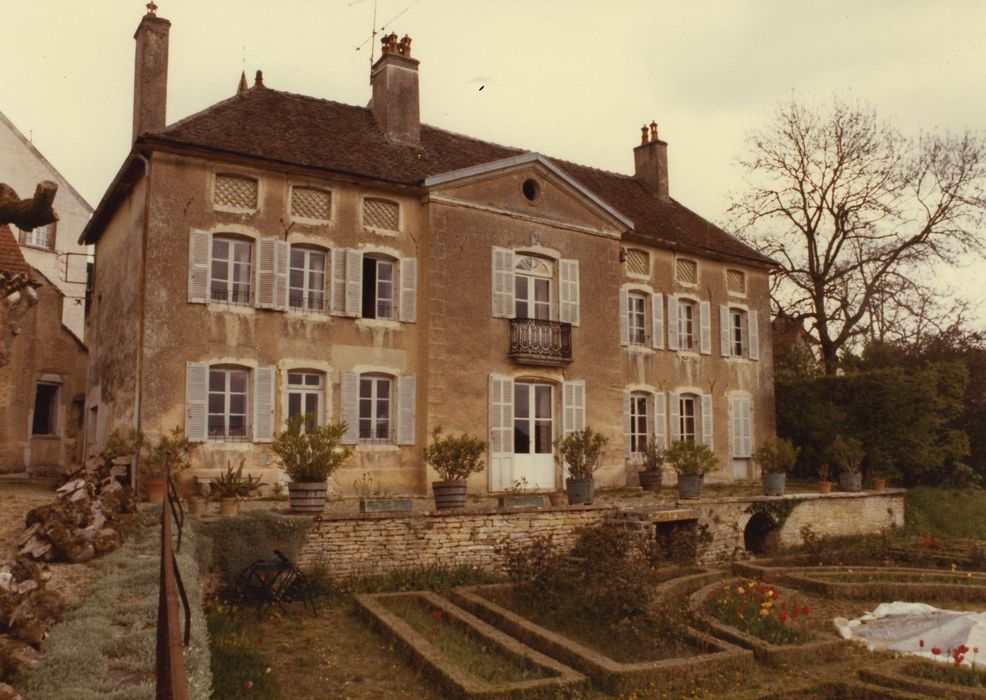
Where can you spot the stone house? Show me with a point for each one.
(277, 253)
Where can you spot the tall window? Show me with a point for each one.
(689, 416)
(378, 288)
(687, 318)
(638, 423)
(231, 270)
(305, 391)
(39, 237)
(532, 287)
(635, 318)
(228, 403)
(307, 279)
(45, 409)
(374, 409)
(737, 326)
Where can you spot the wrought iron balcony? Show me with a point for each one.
(537, 342)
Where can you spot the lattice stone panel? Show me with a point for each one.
(311, 203)
(238, 192)
(380, 213)
(736, 281)
(638, 262)
(687, 271)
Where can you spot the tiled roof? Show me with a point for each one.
(11, 259)
(306, 131)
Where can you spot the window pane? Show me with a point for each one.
(217, 426)
(365, 387)
(217, 403)
(237, 426)
(383, 430)
(237, 403)
(521, 401)
(294, 404)
(365, 429)
(542, 437)
(313, 379)
(365, 408)
(385, 270)
(542, 402)
(522, 437)
(383, 408)
(241, 252)
(311, 403)
(297, 257)
(217, 380)
(220, 249)
(237, 380)
(541, 292)
(294, 377)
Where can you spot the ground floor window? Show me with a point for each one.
(228, 403)
(374, 409)
(689, 416)
(45, 409)
(305, 392)
(638, 423)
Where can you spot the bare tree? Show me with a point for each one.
(855, 213)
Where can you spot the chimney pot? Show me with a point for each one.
(150, 72)
(258, 79)
(653, 131)
(650, 160)
(643, 134)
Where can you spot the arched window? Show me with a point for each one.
(306, 392)
(532, 287)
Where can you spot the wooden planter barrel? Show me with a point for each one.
(307, 496)
(851, 481)
(449, 494)
(650, 481)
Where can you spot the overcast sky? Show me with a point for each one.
(573, 79)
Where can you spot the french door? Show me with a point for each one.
(533, 458)
(532, 297)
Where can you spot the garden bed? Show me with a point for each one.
(822, 646)
(690, 658)
(467, 656)
(842, 691)
(920, 677)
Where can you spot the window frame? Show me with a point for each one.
(639, 440)
(304, 390)
(691, 322)
(50, 231)
(306, 290)
(738, 332)
(374, 398)
(230, 261)
(695, 417)
(636, 335)
(370, 289)
(54, 403)
(226, 393)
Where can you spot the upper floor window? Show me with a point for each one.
(39, 237)
(740, 335)
(637, 262)
(736, 282)
(532, 287)
(638, 423)
(311, 204)
(231, 270)
(306, 279)
(228, 403)
(636, 318)
(375, 408)
(236, 192)
(305, 397)
(687, 322)
(522, 287)
(737, 332)
(378, 288)
(381, 214)
(686, 271)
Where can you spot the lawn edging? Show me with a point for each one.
(892, 676)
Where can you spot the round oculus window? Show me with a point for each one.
(531, 190)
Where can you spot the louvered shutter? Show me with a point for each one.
(354, 282)
(569, 282)
(573, 406)
(627, 427)
(501, 431)
(725, 346)
(409, 290)
(674, 416)
(707, 419)
(753, 337)
(196, 401)
(503, 283)
(624, 318)
(406, 405)
(198, 267)
(672, 322)
(263, 404)
(705, 322)
(266, 273)
(735, 426)
(337, 302)
(282, 259)
(659, 429)
(746, 432)
(657, 321)
(349, 398)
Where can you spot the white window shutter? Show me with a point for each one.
(409, 290)
(735, 427)
(624, 318)
(337, 302)
(282, 259)
(707, 419)
(501, 431)
(659, 429)
(198, 266)
(503, 283)
(657, 321)
(705, 321)
(672, 322)
(266, 282)
(263, 404)
(349, 398)
(569, 283)
(747, 427)
(674, 415)
(196, 401)
(406, 405)
(725, 344)
(753, 337)
(573, 406)
(626, 424)
(354, 282)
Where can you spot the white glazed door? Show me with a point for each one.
(532, 297)
(533, 433)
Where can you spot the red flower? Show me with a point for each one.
(248, 685)
(936, 650)
(962, 649)
(921, 643)
(782, 617)
(437, 614)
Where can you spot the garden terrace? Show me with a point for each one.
(928, 678)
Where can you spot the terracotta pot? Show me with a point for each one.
(650, 481)
(879, 484)
(196, 505)
(773, 483)
(155, 490)
(824, 487)
(555, 499)
(229, 506)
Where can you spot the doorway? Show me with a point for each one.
(534, 459)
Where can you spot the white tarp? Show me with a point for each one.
(901, 627)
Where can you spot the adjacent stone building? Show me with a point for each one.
(277, 253)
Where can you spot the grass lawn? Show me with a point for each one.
(946, 513)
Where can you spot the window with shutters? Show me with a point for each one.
(737, 332)
(639, 433)
(736, 282)
(689, 406)
(235, 193)
(686, 272)
(381, 215)
(231, 270)
(38, 237)
(228, 404)
(375, 404)
(45, 419)
(741, 435)
(311, 204)
(306, 391)
(532, 287)
(636, 318)
(306, 279)
(637, 263)
(378, 288)
(687, 325)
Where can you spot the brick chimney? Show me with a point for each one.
(394, 78)
(650, 161)
(150, 72)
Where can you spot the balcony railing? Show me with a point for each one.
(537, 342)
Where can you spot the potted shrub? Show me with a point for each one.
(650, 474)
(169, 455)
(692, 461)
(454, 457)
(581, 451)
(881, 468)
(373, 498)
(848, 454)
(824, 485)
(309, 454)
(775, 457)
(231, 486)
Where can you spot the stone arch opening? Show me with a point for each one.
(762, 535)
